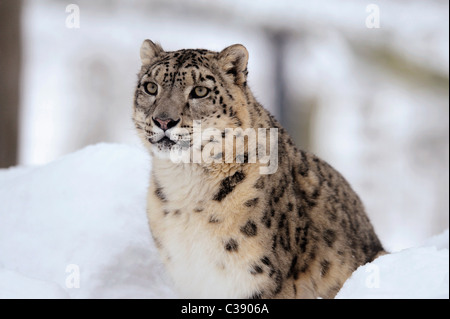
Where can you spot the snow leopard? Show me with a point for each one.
(226, 229)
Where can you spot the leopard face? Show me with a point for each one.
(179, 88)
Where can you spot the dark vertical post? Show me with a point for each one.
(10, 50)
(279, 40)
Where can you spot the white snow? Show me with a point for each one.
(76, 228)
(415, 273)
(85, 209)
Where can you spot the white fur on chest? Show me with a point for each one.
(200, 266)
(193, 249)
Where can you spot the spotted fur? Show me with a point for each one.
(224, 230)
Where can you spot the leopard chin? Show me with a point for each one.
(166, 143)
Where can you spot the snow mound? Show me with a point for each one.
(415, 273)
(439, 241)
(77, 228)
(15, 285)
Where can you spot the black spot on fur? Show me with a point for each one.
(301, 211)
(312, 253)
(325, 267)
(332, 216)
(266, 219)
(329, 236)
(160, 194)
(285, 239)
(307, 199)
(266, 261)
(274, 242)
(228, 184)
(256, 269)
(290, 206)
(252, 202)
(210, 77)
(279, 282)
(213, 219)
(256, 295)
(283, 226)
(282, 221)
(260, 183)
(249, 229)
(297, 235)
(233, 71)
(198, 209)
(303, 168)
(315, 194)
(304, 268)
(157, 241)
(293, 269)
(231, 245)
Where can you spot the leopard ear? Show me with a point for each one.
(233, 61)
(150, 51)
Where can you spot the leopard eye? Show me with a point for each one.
(199, 92)
(151, 88)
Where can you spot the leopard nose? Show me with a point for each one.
(165, 123)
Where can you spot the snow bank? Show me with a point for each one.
(79, 221)
(416, 273)
(76, 228)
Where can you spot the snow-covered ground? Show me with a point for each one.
(76, 228)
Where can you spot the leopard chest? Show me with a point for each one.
(202, 243)
(202, 262)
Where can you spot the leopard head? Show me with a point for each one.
(176, 89)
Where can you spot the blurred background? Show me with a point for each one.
(363, 84)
